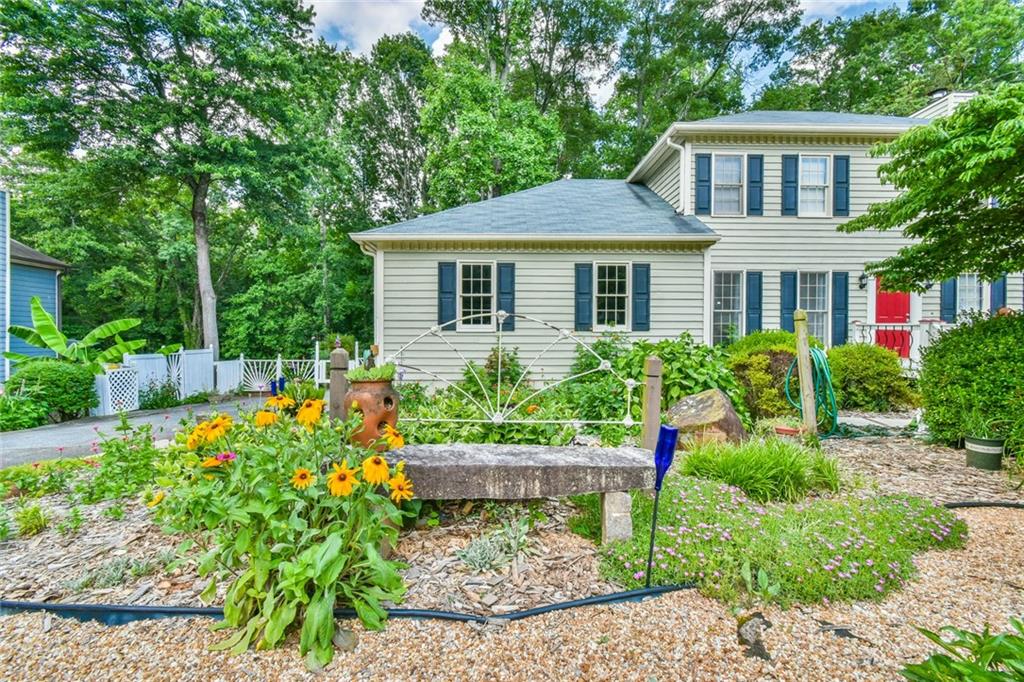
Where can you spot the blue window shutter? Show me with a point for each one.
(755, 184)
(641, 297)
(788, 300)
(754, 282)
(841, 185)
(840, 307)
(947, 300)
(702, 204)
(446, 295)
(998, 295)
(790, 170)
(584, 297)
(507, 294)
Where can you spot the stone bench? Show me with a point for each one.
(517, 472)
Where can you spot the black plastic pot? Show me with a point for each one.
(984, 453)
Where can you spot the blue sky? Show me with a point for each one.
(357, 24)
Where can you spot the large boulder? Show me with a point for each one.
(707, 416)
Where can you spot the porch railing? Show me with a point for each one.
(908, 340)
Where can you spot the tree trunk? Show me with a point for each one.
(207, 296)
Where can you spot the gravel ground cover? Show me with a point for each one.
(678, 636)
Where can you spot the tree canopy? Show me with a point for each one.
(962, 194)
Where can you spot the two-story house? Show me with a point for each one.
(726, 226)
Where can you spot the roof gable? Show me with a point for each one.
(26, 254)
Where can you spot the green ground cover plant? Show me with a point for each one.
(975, 368)
(713, 535)
(41, 478)
(869, 377)
(769, 469)
(967, 656)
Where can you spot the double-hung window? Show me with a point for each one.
(814, 299)
(727, 194)
(814, 185)
(476, 296)
(611, 295)
(727, 308)
(969, 294)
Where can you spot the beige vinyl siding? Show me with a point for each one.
(664, 181)
(545, 289)
(773, 243)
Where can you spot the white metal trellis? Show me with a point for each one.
(498, 410)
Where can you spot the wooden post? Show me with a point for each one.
(652, 402)
(338, 384)
(803, 365)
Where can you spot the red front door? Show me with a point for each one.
(892, 307)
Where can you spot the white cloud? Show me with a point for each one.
(444, 39)
(362, 22)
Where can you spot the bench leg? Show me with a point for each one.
(616, 520)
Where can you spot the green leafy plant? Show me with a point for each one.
(20, 408)
(970, 656)
(766, 470)
(70, 524)
(300, 391)
(869, 377)
(763, 588)
(762, 373)
(5, 523)
(292, 516)
(129, 463)
(379, 373)
(975, 367)
(31, 519)
(114, 512)
(767, 340)
(41, 478)
(159, 395)
(483, 554)
(65, 389)
(45, 334)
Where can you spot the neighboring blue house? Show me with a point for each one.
(24, 273)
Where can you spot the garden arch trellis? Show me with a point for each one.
(495, 408)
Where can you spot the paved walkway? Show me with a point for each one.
(76, 438)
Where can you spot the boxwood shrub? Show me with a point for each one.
(869, 377)
(64, 387)
(760, 361)
(975, 368)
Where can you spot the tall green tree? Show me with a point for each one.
(482, 143)
(209, 95)
(685, 61)
(962, 194)
(888, 60)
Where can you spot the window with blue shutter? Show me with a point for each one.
(790, 172)
(641, 297)
(997, 295)
(702, 203)
(755, 184)
(947, 300)
(788, 301)
(841, 186)
(446, 296)
(840, 307)
(507, 294)
(754, 288)
(584, 297)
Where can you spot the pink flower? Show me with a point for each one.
(226, 456)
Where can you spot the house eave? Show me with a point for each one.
(368, 239)
(698, 128)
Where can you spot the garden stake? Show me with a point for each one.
(663, 454)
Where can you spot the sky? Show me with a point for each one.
(358, 24)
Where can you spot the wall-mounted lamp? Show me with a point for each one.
(862, 281)
(928, 286)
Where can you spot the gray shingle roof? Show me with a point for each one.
(570, 208)
(811, 118)
(26, 254)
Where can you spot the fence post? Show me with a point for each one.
(338, 384)
(652, 401)
(803, 364)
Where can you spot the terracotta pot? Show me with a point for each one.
(378, 401)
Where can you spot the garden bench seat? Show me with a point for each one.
(459, 471)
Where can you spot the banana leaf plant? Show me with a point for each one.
(85, 351)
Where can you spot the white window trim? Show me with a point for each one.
(986, 294)
(743, 185)
(828, 185)
(827, 341)
(743, 303)
(459, 326)
(628, 326)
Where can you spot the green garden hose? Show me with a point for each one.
(824, 395)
